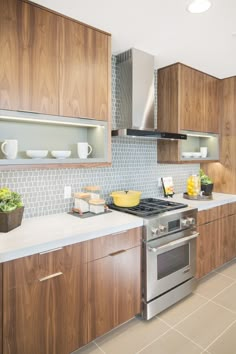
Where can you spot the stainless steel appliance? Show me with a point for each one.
(169, 252)
(136, 95)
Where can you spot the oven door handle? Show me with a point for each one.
(173, 243)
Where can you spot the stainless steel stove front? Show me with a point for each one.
(169, 258)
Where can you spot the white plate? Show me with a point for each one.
(187, 154)
(63, 154)
(197, 154)
(36, 154)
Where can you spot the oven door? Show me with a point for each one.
(169, 262)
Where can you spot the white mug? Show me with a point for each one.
(10, 149)
(203, 151)
(84, 150)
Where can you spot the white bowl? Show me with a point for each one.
(187, 154)
(61, 154)
(36, 154)
(197, 154)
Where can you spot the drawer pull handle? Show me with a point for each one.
(116, 253)
(119, 233)
(53, 250)
(51, 276)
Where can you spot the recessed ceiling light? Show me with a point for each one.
(198, 6)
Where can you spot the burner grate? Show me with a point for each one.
(149, 206)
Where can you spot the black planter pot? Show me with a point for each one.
(207, 188)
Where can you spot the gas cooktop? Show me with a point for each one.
(149, 207)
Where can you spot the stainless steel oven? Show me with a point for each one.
(169, 252)
(169, 260)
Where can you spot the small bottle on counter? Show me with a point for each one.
(97, 206)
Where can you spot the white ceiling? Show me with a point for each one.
(165, 29)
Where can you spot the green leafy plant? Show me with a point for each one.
(9, 200)
(204, 178)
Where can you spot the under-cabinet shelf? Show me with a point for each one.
(44, 132)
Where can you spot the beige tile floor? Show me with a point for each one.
(204, 322)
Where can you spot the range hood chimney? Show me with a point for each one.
(136, 69)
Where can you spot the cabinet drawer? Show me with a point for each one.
(108, 245)
(33, 268)
(208, 215)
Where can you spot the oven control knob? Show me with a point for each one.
(162, 228)
(184, 222)
(191, 221)
(154, 231)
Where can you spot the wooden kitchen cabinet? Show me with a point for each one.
(84, 71)
(208, 248)
(188, 100)
(29, 48)
(52, 64)
(45, 302)
(114, 281)
(216, 243)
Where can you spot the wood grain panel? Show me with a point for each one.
(48, 317)
(227, 238)
(192, 99)
(206, 216)
(212, 104)
(168, 99)
(83, 71)
(10, 53)
(208, 248)
(103, 246)
(39, 71)
(168, 151)
(114, 285)
(224, 173)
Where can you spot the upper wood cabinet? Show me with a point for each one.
(29, 50)
(187, 100)
(84, 74)
(51, 64)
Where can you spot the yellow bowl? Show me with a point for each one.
(126, 198)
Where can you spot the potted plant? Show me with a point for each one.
(11, 210)
(206, 183)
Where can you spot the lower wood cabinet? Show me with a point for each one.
(114, 282)
(208, 248)
(216, 243)
(58, 301)
(45, 314)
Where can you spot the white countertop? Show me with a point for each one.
(218, 199)
(43, 233)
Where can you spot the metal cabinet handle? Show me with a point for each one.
(116, 253)
(51, 276)
(53, 250)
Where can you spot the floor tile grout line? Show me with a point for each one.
(99, 347)
(220, 334)
(224, 307)
(191, 340)
(227, 287)
(183, 319)
(153, 341)
(226, 276)
(221, 291)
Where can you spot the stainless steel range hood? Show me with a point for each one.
(136, 94)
